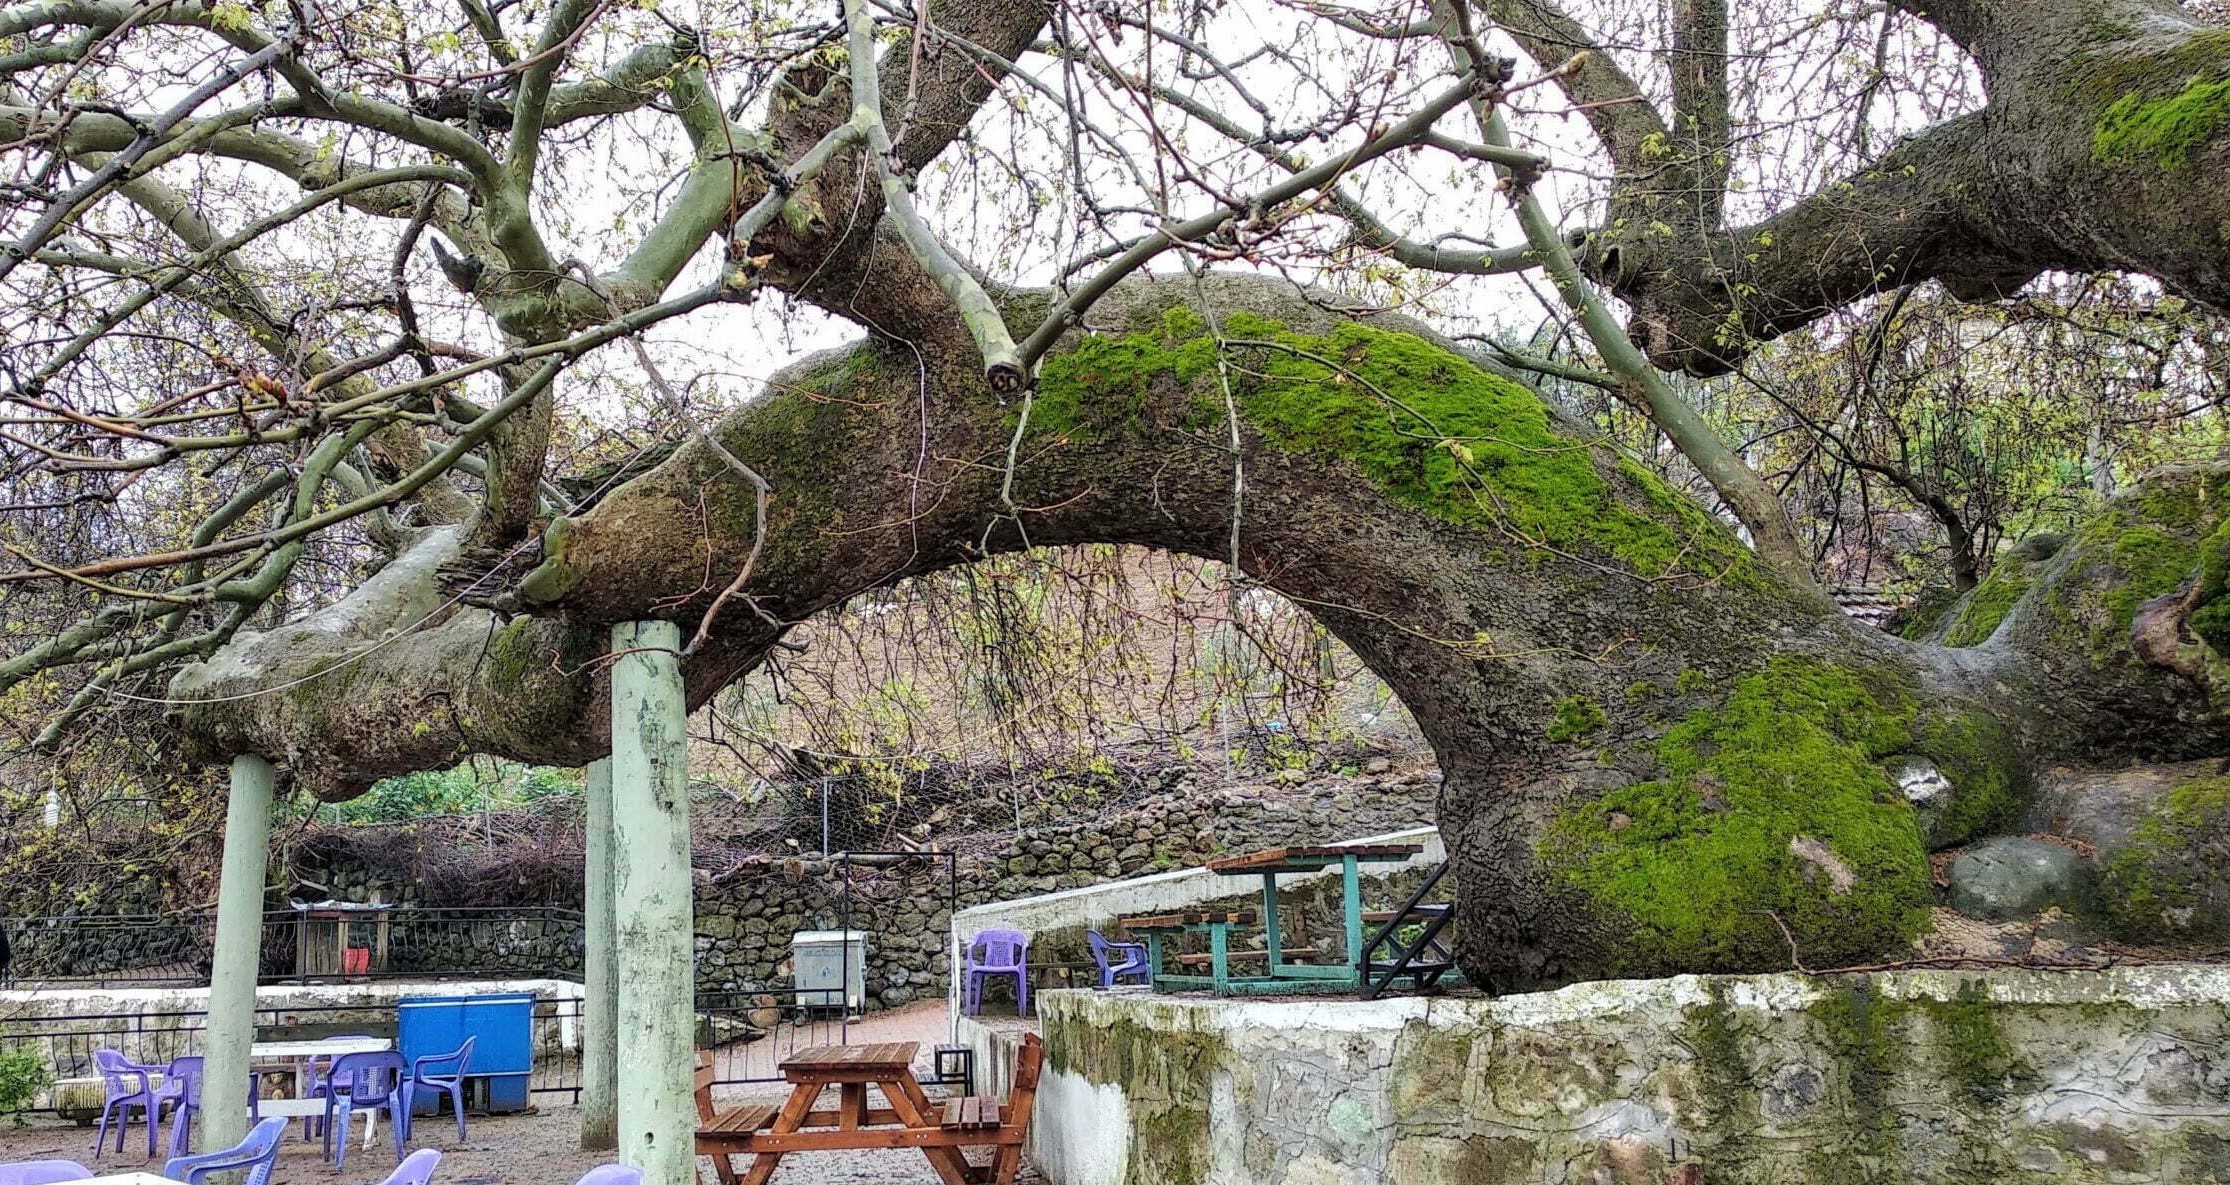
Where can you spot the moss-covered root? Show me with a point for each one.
(2170, 881)
(1773, 811)
(2132, 622)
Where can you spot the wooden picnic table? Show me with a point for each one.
(1280, 976)
(907, 1119)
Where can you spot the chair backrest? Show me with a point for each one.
(186, 1071)
(43, 1172)
(612, 1174)
(452, 1064)
(120, 1074)
(1098, 942)
(703, 1083)
(255, 1154)
(416, 1169)
(999, 950)
(368, 1077)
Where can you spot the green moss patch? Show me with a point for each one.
(1981, 612)
(1432, 429)
(1575, 719)
(2171, 880)
(2170, 131)
(1696, 866)
(1976, 1055)
(1982, 759)
(2144, 546)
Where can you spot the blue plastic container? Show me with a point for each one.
(502, 1055)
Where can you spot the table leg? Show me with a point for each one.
(1219, 956)
(1270, 933)
(1153, 955)
(1351, 894)
(851, 1107)
(789, 1119)
(913, 1108)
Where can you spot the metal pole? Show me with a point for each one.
(656, 938)
(237, 951)
(599, 973)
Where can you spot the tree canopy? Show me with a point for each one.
(365, 360)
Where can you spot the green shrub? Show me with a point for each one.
(23, 1074)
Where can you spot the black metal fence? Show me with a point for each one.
(749, 1034)
(102, 950)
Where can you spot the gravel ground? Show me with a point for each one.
(536, 1148)
(529, 1149)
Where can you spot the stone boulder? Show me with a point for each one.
(2005, 878)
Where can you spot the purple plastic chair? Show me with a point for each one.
(993, 953)
(43, 1172)
(612, 1174)
(363, 1081)
(182, 1090)
(321, 1081)
(127, 1084)
(416, 1169)
(255, 1154)
(438, 1074)
(1118, 960)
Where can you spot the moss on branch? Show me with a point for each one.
(1433, 429)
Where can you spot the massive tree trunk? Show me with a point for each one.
(1657, 755)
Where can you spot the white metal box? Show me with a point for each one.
(830, 967)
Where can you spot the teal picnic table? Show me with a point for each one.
(1280, 975)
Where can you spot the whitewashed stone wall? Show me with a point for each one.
(1912, 1078)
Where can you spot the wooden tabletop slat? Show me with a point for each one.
(1272, 858)
(884, 1055)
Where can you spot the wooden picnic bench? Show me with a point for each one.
(907, 1120)
(1296, 967)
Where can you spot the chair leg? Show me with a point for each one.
(100, 1137)
(1022, 993)
(152, 1110)
(457, 1104)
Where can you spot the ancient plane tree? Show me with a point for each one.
(1664, 749)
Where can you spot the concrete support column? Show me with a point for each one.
(651, 883)
(599, 973)
(239, 949)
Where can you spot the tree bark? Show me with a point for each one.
(1625, 702)
(2100, 149)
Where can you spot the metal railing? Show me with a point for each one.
(410, 942)
(749, 1033)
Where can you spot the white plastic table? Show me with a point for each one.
(297, 1056)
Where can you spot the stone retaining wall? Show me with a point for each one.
(1912, 1078)
(745, 915)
